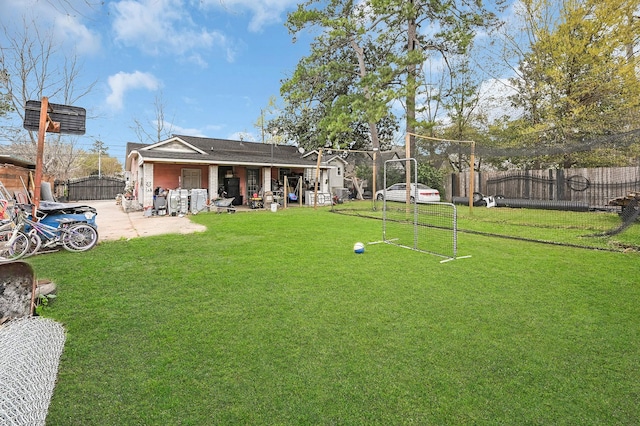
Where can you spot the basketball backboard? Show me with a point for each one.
(72, 119)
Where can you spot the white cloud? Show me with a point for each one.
(122, 82)
(197, 59)
(63, 19)
(214, 127)
(264, 12)
(71, 30)
(162, 27)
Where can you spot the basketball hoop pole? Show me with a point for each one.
(46, 125)
(66, 119)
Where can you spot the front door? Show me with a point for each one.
(253, 182)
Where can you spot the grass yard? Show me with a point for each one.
(270, 318)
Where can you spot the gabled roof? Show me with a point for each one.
(326, 159)
(199, 150)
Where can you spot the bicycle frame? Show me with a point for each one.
(14, 243)
(49, 235)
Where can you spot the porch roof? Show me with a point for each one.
(199, 150)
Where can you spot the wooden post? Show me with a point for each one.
(286, 191)
(44, 107)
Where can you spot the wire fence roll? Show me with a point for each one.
(30, 350)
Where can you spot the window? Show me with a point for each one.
(191, 179)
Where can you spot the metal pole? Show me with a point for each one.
(407, 166)
(472, 173)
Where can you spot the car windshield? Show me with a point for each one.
(423, 186)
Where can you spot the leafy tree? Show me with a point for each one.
(367, 58)
(466, 121)
(409, 25)
(269, 131)
(579, 78)
(90, 164)
(97, 162)
(343, 83)
(432, 177)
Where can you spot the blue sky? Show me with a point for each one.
(215, 63)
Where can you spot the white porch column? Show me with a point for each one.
(213, 182)
(324, 180)
(146, 193)
(266, 179)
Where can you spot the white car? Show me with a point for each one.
(398, 192)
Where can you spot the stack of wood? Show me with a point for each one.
(624, 200)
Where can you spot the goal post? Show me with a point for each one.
(427, 227)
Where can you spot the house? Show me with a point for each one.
(335, 164)
(342, 168)
(240, 168)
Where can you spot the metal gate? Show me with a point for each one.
(89, 188)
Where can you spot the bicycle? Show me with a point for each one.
(14, 243)
(72, 235)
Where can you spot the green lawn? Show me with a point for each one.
(270, 318)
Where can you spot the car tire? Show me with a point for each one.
(380, 197)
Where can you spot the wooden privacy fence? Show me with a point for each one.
(595, 186)
(89, 188)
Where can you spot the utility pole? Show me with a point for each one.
(98, 147)
(262, 123)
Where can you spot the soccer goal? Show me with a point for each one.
(410, 222)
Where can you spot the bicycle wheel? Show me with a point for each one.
(79, 237)
(35, 242)
(13, 245)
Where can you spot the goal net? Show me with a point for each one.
(425, 226)
(571, 194)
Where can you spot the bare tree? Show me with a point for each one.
(156, 129)
(30, 61)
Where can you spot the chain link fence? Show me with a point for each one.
(30, 350)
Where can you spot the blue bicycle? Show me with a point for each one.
(69, 233)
